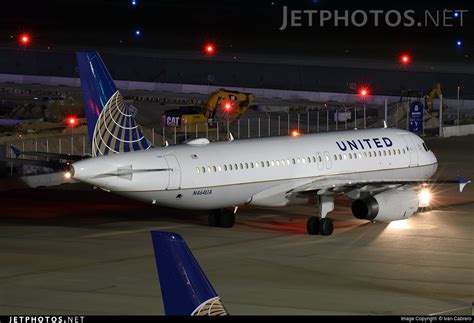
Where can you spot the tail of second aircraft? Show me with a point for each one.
(111, 124)
(184, 286)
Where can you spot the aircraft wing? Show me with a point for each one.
(340, 184)
(184, 286)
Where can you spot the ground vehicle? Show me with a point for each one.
(221, 105)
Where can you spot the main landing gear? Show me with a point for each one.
(323, 225)
(223, 218)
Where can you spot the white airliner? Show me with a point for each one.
(384, 170)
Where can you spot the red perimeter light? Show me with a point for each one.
(364, 92)
(228, 106)
(24, 39)
(210, 49)
(405, 59)
(295, 133)
(72, 121)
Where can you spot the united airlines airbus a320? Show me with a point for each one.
(385, 170)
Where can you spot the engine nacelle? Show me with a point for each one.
(390, 205)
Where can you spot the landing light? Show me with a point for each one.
(295, 133)
(67, 175)
(424, 197)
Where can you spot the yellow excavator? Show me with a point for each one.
(221, 105)
(433, 94)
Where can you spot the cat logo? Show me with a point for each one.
(173, 121)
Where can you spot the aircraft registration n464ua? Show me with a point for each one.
(382, 170)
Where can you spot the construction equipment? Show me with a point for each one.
(222, 105)
(433, 94)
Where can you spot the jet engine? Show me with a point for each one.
(390, 205)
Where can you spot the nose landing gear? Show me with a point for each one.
(222, 218)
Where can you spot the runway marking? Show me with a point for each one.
(453, 310)
(116, 233)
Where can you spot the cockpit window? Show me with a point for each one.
(426, 147)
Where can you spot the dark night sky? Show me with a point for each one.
(235, 26)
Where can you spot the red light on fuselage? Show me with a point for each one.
(71, 121)
(227, 106)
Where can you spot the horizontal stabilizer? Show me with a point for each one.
(463, 182)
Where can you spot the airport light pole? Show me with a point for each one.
(459, 88)
(441, 115)
(363, 93)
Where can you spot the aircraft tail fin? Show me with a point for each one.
(184, 286)
(111, 124)
(17, 152)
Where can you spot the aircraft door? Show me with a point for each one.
(320, 160)
(174, 172)
(327, 160)
(411, 150)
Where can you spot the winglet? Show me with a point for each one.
(463, 182)
(15, 151)
(385, 124)
(184, 286)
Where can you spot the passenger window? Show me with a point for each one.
(303, 160)
(256, 164)
(214, 168)
(204, 169)
(288, 162)
(389, 153)
(241, 166)
(365, 154)
(384, 152)
(394, 152)
(380, 153)
(278, 163)
(314, 159)
(309, 160)
(208, 169)
(370, 154)
(251, 165)
(197, 170)
(246, 165)
(350, 156)
(272, 163)
(327, 157)
(399, 151)
(360, 155)
(345, 156)
(225, 168)
(263, 164)
(219, 168)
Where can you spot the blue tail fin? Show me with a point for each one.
(111, 125)
(184, 286)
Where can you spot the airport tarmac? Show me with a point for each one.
(73, 250)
